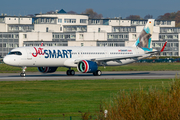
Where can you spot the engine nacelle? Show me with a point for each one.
(86, 66)
(47, 69)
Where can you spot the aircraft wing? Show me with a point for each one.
(119, 57)
(106, 59)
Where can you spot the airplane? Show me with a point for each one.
(86, 59)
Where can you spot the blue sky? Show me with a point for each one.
(108, 8)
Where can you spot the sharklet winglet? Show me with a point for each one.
(163, 46)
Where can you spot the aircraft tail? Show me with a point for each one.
(144, 39)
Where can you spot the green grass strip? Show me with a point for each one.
(46, 99)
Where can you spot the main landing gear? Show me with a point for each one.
(70, 72)
(23, 74)
(97, 73)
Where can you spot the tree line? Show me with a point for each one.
(167, 16)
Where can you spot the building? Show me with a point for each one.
(62, 29)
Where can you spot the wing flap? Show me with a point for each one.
(113, 58)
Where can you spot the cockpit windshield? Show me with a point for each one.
(15, 53)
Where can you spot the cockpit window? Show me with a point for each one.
(15, 53)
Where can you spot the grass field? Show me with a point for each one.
(50, 99)
(130, 67)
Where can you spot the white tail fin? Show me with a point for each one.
(144, 39)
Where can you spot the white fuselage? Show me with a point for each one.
(67, 56)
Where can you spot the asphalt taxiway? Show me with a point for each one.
(31, 76)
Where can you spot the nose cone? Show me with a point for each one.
(7, 60)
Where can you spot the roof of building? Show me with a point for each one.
(61, 11)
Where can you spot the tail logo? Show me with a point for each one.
(144, 39)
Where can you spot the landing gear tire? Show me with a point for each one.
(70, 72)
(23, 74)
(97, 73)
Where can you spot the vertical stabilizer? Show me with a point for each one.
(144, 39)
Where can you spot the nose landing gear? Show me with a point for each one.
(23, 74)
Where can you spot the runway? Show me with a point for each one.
(31, 76)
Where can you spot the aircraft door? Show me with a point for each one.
(80, 55)
(136, 50)
(106, 53)
(29, 54)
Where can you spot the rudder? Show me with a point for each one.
(144, 39)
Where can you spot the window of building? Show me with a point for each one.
(47, 20)
(4, 45)
(1, 19)
(95, 21)
(133, 36)
(59, 20)
(52, 20)
(176, 44)
(168, 22)
(125, 36)
(99, 29)
(24, 35)
(121, 36)
(175, 36)
(73, 36)
(82, 44)
(83, 20)
(60, 28)
(116, 36)
(61, 36)
(66, 36)
(56, 36)
(73, 28)
(69, 20)
(47, 29)
(42, 20)
(73, 21)
(81, 36)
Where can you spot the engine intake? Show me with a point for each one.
(87, 66)
(47, 69)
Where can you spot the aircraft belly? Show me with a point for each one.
(36, 62)
(49, 62)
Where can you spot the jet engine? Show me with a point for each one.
(47, 69)
(86, 66)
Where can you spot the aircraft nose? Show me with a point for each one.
(6, 60)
